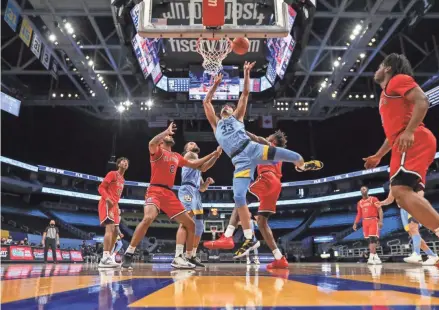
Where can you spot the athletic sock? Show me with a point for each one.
(194, 252)
(248, 233)
(229, 231)
(277, 254)
(417, 244)
(429, 252)
(189, 254)
(106, 254)
(286, 155)
(130, 250)
(179, 249)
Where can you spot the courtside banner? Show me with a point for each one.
(65, 255)
(76, 256)
(17, 252)
(38, 254)
(4, 253)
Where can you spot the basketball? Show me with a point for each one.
(240, 46)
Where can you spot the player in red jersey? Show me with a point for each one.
(266, 188)
(159, 196)
(109, 214)
(369, 210)
(403, 106)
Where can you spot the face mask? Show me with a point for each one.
(52, 225)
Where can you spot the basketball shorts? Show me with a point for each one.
(266, 189)
(406, 219)
(164, 200)
(410, 168)
(370, 227)
(191, 199)
(108, 215)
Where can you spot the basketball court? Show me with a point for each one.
(227, 286)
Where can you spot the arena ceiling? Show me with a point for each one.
(97, 68)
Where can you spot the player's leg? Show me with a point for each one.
(198, 215)
(407, 170)
(186, 221)
(276, 154)
(151, 210)
(116, 250)
(106, 261)
(180, 240)
(241, 182)
(415, 257)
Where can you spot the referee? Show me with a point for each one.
(50, 239)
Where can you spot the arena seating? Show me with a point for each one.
(390, 225)
(326, 220)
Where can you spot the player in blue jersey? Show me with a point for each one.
(192, 184)
(245, 154)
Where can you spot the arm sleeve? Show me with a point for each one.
(181, 160)
(400, 85)
(102, 189)
(358, 218)
(156, 155)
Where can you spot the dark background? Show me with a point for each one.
(66, 139)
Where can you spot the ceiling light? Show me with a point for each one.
(106, 87)
(373, 40)
(70, 30)
(306, 103)
(67, 59)
(87, 57)
(364, 96)
(54, 95)
(352, 37)
(76, 95)
(93, 94)
(356, 96)
(334, 95)
(358, 27)
(347, 43)
(74, 69)
(68, 25)
(81, 46)
(362, 55)
(370, 44)
(52, 38)
(62, 95)
(56, 42)
(100, 78)
(82, 79)
(74, 36)
(352, 70)
(350, 96)
(70, 95)
(339, 58)
(286, 109)
(323, 85)
(120, 108)
(345, 79)
(149, 103)
(90, 63)
(336, 63)
(281, 109)
(372, 96)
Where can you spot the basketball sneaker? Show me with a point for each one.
(414, 258)
(222, 243)
(278, 264)
(196, 261)
(107, 262)
(247, 246)
(431, 261)
(311, 165)
(127, 261)
(180, 262)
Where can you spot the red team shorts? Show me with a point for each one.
(370, 227)
(108, 215)
(416, 159)
(266, 189)
(165, 200)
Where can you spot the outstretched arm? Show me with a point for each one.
(257, 139)
(389, 200)
(207, 103)
(154, 144)
(242, 103)
(195, 164)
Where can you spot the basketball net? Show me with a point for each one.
(214, 51)
(213, 230)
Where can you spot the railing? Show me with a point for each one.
(357, 252)
(406, 249)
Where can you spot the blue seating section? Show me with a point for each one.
(284, 223)
(78, 219)
(23, 211)
(391, 224)
(391, 212)
(327, 220)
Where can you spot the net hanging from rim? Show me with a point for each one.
(214, 51)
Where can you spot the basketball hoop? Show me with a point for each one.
(213, 230)
(214, 51)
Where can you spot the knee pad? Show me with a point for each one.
(240, 200)
(199, 227)
(373, 239)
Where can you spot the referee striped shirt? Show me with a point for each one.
(51, 232)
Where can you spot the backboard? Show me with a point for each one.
(192, 10)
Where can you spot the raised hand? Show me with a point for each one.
(218, 78)
(248, 66)
(219, 151)
(172, 128)
(210, 181)
(371, 161)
